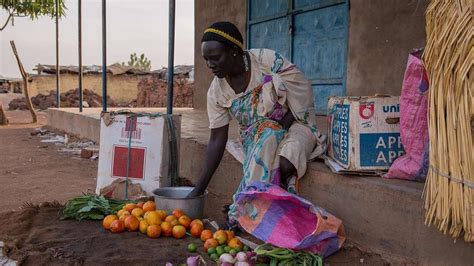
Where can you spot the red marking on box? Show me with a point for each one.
(366, 110)
(137, 162)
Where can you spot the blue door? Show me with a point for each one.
(311, 33)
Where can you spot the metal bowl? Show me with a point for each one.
(171, 198)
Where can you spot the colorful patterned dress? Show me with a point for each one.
(276, 87)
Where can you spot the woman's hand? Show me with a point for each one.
(194, 193)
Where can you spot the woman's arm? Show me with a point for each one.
(287, 120)
(215, 151)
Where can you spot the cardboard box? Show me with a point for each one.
(364, 133)
(136, 147)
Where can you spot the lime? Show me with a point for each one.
(227, 249)
(214, 256)
(237, 249)
(220, 250)
(192, 247)
(211, 251)
(232, 252)
(246, 248)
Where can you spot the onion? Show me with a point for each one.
(242, 263)
(251, 254)
(241, 256)
(226, 258)
(192, 261)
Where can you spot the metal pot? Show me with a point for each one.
(171, 198)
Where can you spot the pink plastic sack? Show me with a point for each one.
(283, 219)
(413, 165)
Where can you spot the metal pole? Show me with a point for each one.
(79, 23)
(104, 58)
(58, 98)
(169, 105)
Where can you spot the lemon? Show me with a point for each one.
(192, 247)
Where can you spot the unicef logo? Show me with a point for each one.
(366, 110)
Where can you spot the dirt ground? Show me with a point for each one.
(35, 172)
(35, 236)
(31, 171)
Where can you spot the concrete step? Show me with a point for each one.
(382, 216)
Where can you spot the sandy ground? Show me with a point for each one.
(35, 236)
(31, 171)
(35, 172)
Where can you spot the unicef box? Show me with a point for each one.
(364, 133)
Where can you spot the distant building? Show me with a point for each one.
(13, 85)
(122, 81)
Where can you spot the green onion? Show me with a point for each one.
(282, 256)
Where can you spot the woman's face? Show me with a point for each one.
(219, 58)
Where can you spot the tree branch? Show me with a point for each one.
(6, 22)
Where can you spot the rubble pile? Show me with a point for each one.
(18, 104)
(71, 98)
(68, 99)
(152, 92)
(43, 102)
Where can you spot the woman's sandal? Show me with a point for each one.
(290, 185)
(232, 226)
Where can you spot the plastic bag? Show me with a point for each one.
(282, 219)
(413, 165)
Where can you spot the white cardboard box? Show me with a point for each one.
(145, 139)
(364, 133)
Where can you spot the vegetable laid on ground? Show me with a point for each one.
(282, 256)
(90, 207)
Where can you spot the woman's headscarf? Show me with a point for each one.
(224, 32)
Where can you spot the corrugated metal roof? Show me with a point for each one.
(114, 69)
(3, 78)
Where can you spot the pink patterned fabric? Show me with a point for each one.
(283, 219)
(413, 123)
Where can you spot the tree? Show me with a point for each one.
(30, 8)
(141, 62)
(24, 75)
